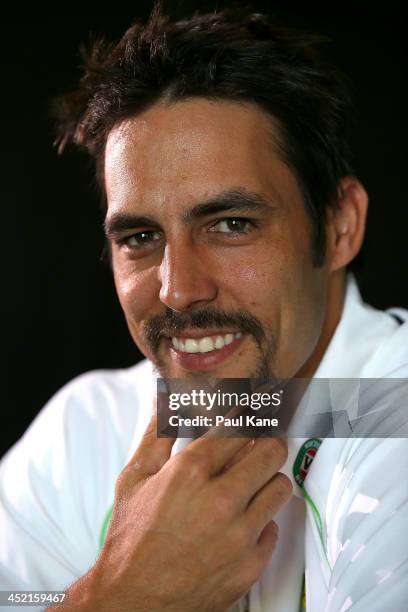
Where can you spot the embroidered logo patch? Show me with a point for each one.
(304, 459)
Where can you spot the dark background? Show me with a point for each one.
(61, 316)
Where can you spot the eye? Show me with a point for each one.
(232, 225)
(142, 240)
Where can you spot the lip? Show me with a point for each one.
(202, 361)
(202, 333)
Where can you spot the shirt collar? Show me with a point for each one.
(359, 332)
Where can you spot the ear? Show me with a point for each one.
(346, 223)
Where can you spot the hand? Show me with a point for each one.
(191, 532)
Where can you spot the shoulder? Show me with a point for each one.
(108, 386)
(68, 460)
(92, 398)
(390, 359)
(360, 489)
(96, 410)
(366, 512)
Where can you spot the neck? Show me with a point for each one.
(334, 309)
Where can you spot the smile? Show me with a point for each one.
(204, 350)
(205, 344)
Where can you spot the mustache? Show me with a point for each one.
(171, 322)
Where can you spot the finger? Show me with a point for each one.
(152, 452)
(255, 562)
(217, 452)
(267, 542)
(240, 454)
(222, 431)
(256, 468)
(265, 505)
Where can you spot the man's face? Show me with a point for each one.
(211, 243)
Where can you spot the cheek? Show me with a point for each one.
(279, 285)
(137, 293)
(256, 278)
(303, 316)
(250, 282)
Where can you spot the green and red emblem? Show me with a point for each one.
(304, 459)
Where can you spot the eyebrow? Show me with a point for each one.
(231, 200)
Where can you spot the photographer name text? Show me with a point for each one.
(219, 420)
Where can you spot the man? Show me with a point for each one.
(231, 215)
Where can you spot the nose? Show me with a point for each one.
(186, 279)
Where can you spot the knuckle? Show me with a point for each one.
(122, 482)
(201, 461)
(224, 503)
(135, 471)
(192, 465)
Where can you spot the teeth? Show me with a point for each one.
(191, 346)
(204, 345)
(219, 342)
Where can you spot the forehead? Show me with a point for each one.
(186, 151)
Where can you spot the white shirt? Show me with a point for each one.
(57, 483)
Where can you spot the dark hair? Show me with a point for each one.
(230, 55)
